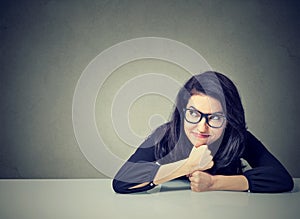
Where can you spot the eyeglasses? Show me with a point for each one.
(213, 120)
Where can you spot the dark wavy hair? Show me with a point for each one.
(171, 141)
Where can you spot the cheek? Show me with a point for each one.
(188, 127)
(217, 133)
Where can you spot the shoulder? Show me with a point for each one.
(253, 146)
(250, 139)
(161, 131)
(157, 135)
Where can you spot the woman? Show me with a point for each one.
(204, 142)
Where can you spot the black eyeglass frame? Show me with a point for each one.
(205, 115)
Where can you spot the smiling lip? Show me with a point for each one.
(200, 135)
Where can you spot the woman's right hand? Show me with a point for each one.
(200, 158)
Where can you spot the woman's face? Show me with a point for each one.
(201, 133)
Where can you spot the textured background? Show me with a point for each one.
(46, 45)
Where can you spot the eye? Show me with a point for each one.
(194, 113)
(215, 117)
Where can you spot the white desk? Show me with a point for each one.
(88, 199)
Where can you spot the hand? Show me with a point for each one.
(201, 181)
(199, 159)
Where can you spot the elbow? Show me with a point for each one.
(289, 184)
(272, 182)
(119, 187)
(123, 187)
(127, 188)
(286, 182)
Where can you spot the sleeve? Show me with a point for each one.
(141, 167)
(267, 175)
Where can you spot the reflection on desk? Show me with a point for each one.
(94, 198)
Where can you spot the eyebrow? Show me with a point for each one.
(218, 112)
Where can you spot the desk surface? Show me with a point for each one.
(94, 198)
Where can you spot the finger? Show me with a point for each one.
(196, 176)
(205, 161)
(194, 179)
(194, 187)
(195, 173)
(200, 153)
(210, 165)
(207, 151)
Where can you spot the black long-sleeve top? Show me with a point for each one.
(267, 175)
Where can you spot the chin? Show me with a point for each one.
(199, 143)
(202, 142)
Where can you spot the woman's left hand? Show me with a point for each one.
(201, 181)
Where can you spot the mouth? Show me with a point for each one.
(200, 135)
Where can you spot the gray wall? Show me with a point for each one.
(46, 45)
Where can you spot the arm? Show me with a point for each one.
(199, 159)
(267, 173)
(166, 173)
(201, 181)
(139, 168)
(141, 176)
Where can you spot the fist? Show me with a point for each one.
(201, 181)
(199, 159)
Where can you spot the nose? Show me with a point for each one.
(202, 126)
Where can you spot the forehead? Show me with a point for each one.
(204, 103)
